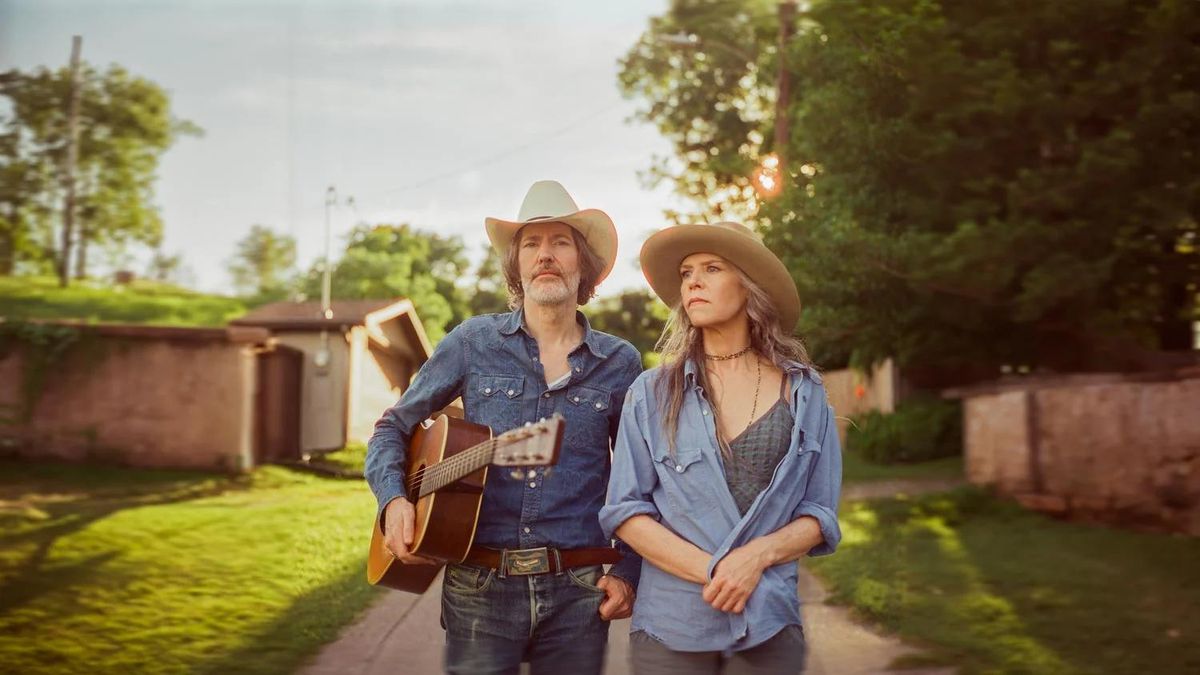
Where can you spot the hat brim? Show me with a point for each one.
(595, 226)
(665, 250)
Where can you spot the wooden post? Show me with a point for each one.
(64, 258)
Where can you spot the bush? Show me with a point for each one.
(919, 430)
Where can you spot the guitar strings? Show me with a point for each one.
(461, 460)
(473, 453)
(465, 457)
(436, 476)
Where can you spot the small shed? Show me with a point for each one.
(347, 368)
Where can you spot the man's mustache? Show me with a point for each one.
(544, 270)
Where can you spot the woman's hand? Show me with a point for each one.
(736, 577)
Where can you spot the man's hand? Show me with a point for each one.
(618, 598)
(735, 578)
(398, 520)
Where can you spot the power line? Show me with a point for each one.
(488, 159)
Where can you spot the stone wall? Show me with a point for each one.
(138, 396)
(852, 392)
(1118, 448)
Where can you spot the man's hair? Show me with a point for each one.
(590, 267)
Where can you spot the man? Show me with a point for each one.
(542, 358)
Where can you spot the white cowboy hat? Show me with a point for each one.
(547, 201)
(665, 249)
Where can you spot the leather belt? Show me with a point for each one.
(544, 560)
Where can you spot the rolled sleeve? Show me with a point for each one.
(824, 489)
(438, 382)
(630, 566)
(633, 478)
(828, 521)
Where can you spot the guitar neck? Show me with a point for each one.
(457, 467)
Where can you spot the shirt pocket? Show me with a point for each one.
(586, 410)
(685, 479)
(497, 401)
(589, 398)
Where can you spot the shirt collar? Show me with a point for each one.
(516, 321)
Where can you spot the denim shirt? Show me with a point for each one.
(688, 494)
(493, 364)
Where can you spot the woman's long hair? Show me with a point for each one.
(681, 340)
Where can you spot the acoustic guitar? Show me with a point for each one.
(448, 462)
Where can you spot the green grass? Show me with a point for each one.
(349, 458)
(992, 588)
(121, 570)
(857, 469)
(140, 302)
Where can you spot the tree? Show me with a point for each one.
(25, 211)
(635, 315)
(969, 184)
(167, 268)
(705, 69)
(264, 264)
(125, 125)
(490, 292)
(392, 261)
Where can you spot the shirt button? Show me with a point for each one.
(511, 392)
(577, 369)
(599, 406)
(533, 485)
(526, 529)
(678, 468)
(487, 390)
(704, 412)
(546, 395)
(577, 399)
(531, 475)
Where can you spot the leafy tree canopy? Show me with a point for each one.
(967, 184)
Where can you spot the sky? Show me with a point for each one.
(431, 112)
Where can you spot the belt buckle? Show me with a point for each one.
(527, 561)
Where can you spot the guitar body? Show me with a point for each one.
(444, 526)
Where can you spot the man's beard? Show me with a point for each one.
(551, 290)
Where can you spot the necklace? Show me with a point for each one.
(726, 357)
(757, 385)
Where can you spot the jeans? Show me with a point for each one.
(550, 620)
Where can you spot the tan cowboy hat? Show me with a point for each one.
(548, 201)
(665, 249)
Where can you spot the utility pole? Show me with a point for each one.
(783, 91)
(327, 278)
(64, 259)
(323, 356)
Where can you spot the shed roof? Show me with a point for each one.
(307, 315)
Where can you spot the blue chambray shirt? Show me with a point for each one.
(492, 363)
(688, 494)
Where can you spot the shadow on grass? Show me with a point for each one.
(994, 588)
(1102, 599)
(43, 503)
(313, 620)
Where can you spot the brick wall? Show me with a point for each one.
(140, 396)
(1118, 448)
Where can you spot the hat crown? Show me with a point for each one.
(546, 199)
(739, 228)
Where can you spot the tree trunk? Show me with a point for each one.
(7, 253)
(81, 253)
(64, 255)
(1175, 332)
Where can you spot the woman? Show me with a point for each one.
(727, 467)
